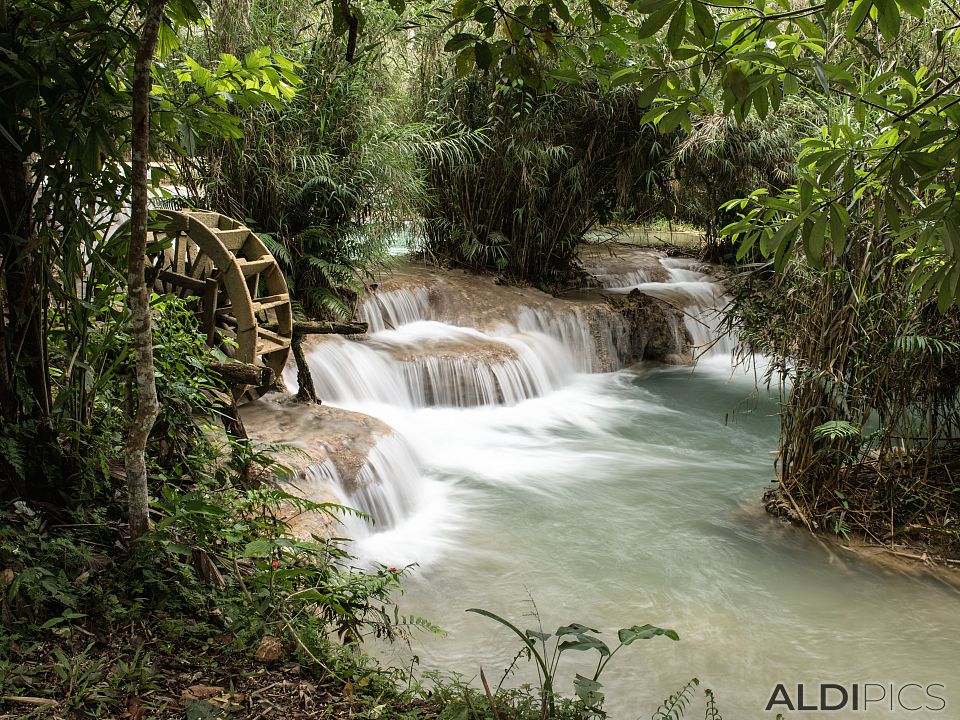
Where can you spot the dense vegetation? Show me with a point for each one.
(816, 144)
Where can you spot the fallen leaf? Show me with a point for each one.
(28, 700)
(200, 692)
(269, 650)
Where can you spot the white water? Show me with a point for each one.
(616, 499)
(702, 301)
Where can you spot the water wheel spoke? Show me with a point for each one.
(255, 267)
(180, 280)
(271, 301)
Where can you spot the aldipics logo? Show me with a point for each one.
(862, 697)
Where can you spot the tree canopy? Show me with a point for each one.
(882, 72)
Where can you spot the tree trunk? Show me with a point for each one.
(25, 346)
(307, 391)
(138, 296)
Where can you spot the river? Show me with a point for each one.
(614, 499)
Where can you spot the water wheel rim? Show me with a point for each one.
(243, 281)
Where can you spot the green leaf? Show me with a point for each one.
(625, 76)
(736, 82)
(482, 54)
(704, 19)
(600, 10)
(651, 26)
(574, 629)
(616, 44)
(583, 643)
(459, 41)
(464, 8)
(465, 62)
(644, 632)
(484, 14)
(673, 119)
(563, 12)
(588, 690)
(816, 240)
(888, 19)
(678, 27)
(839, 220)
(861, 8)
(835, 429)
(259, 548)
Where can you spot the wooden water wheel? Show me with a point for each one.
(243, 294)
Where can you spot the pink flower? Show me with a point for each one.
(275, 564)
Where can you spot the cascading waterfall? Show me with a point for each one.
(618, 280)
(427, 364)
(410, 363)
(597, 346)
(393, 308)
(316, 478)
(701, 299)
(387, 488)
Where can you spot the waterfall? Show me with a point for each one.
(596, 344)
(393, 308)
(411, 369)
(387, 488)
(702, 300)
(316, 478)
(619, 280)
(427, 364)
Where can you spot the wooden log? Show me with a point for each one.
(307, 392)
(322, 327)
(238, 373)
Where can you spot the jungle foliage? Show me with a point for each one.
(551, 166)
(819, 139)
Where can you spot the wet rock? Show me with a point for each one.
(657, 331)
(325, 448)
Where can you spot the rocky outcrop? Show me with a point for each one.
(324, 448)
(657, 331)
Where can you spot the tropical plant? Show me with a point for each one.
(868, 373)
(552, 166)
(723, 159)
(547, 649)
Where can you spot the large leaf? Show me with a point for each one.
(644, 632)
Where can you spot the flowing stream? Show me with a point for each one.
(517, 476)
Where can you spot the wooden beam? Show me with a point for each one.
(175, 278)
(208, 323)
(321, 327)
(238, 373)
